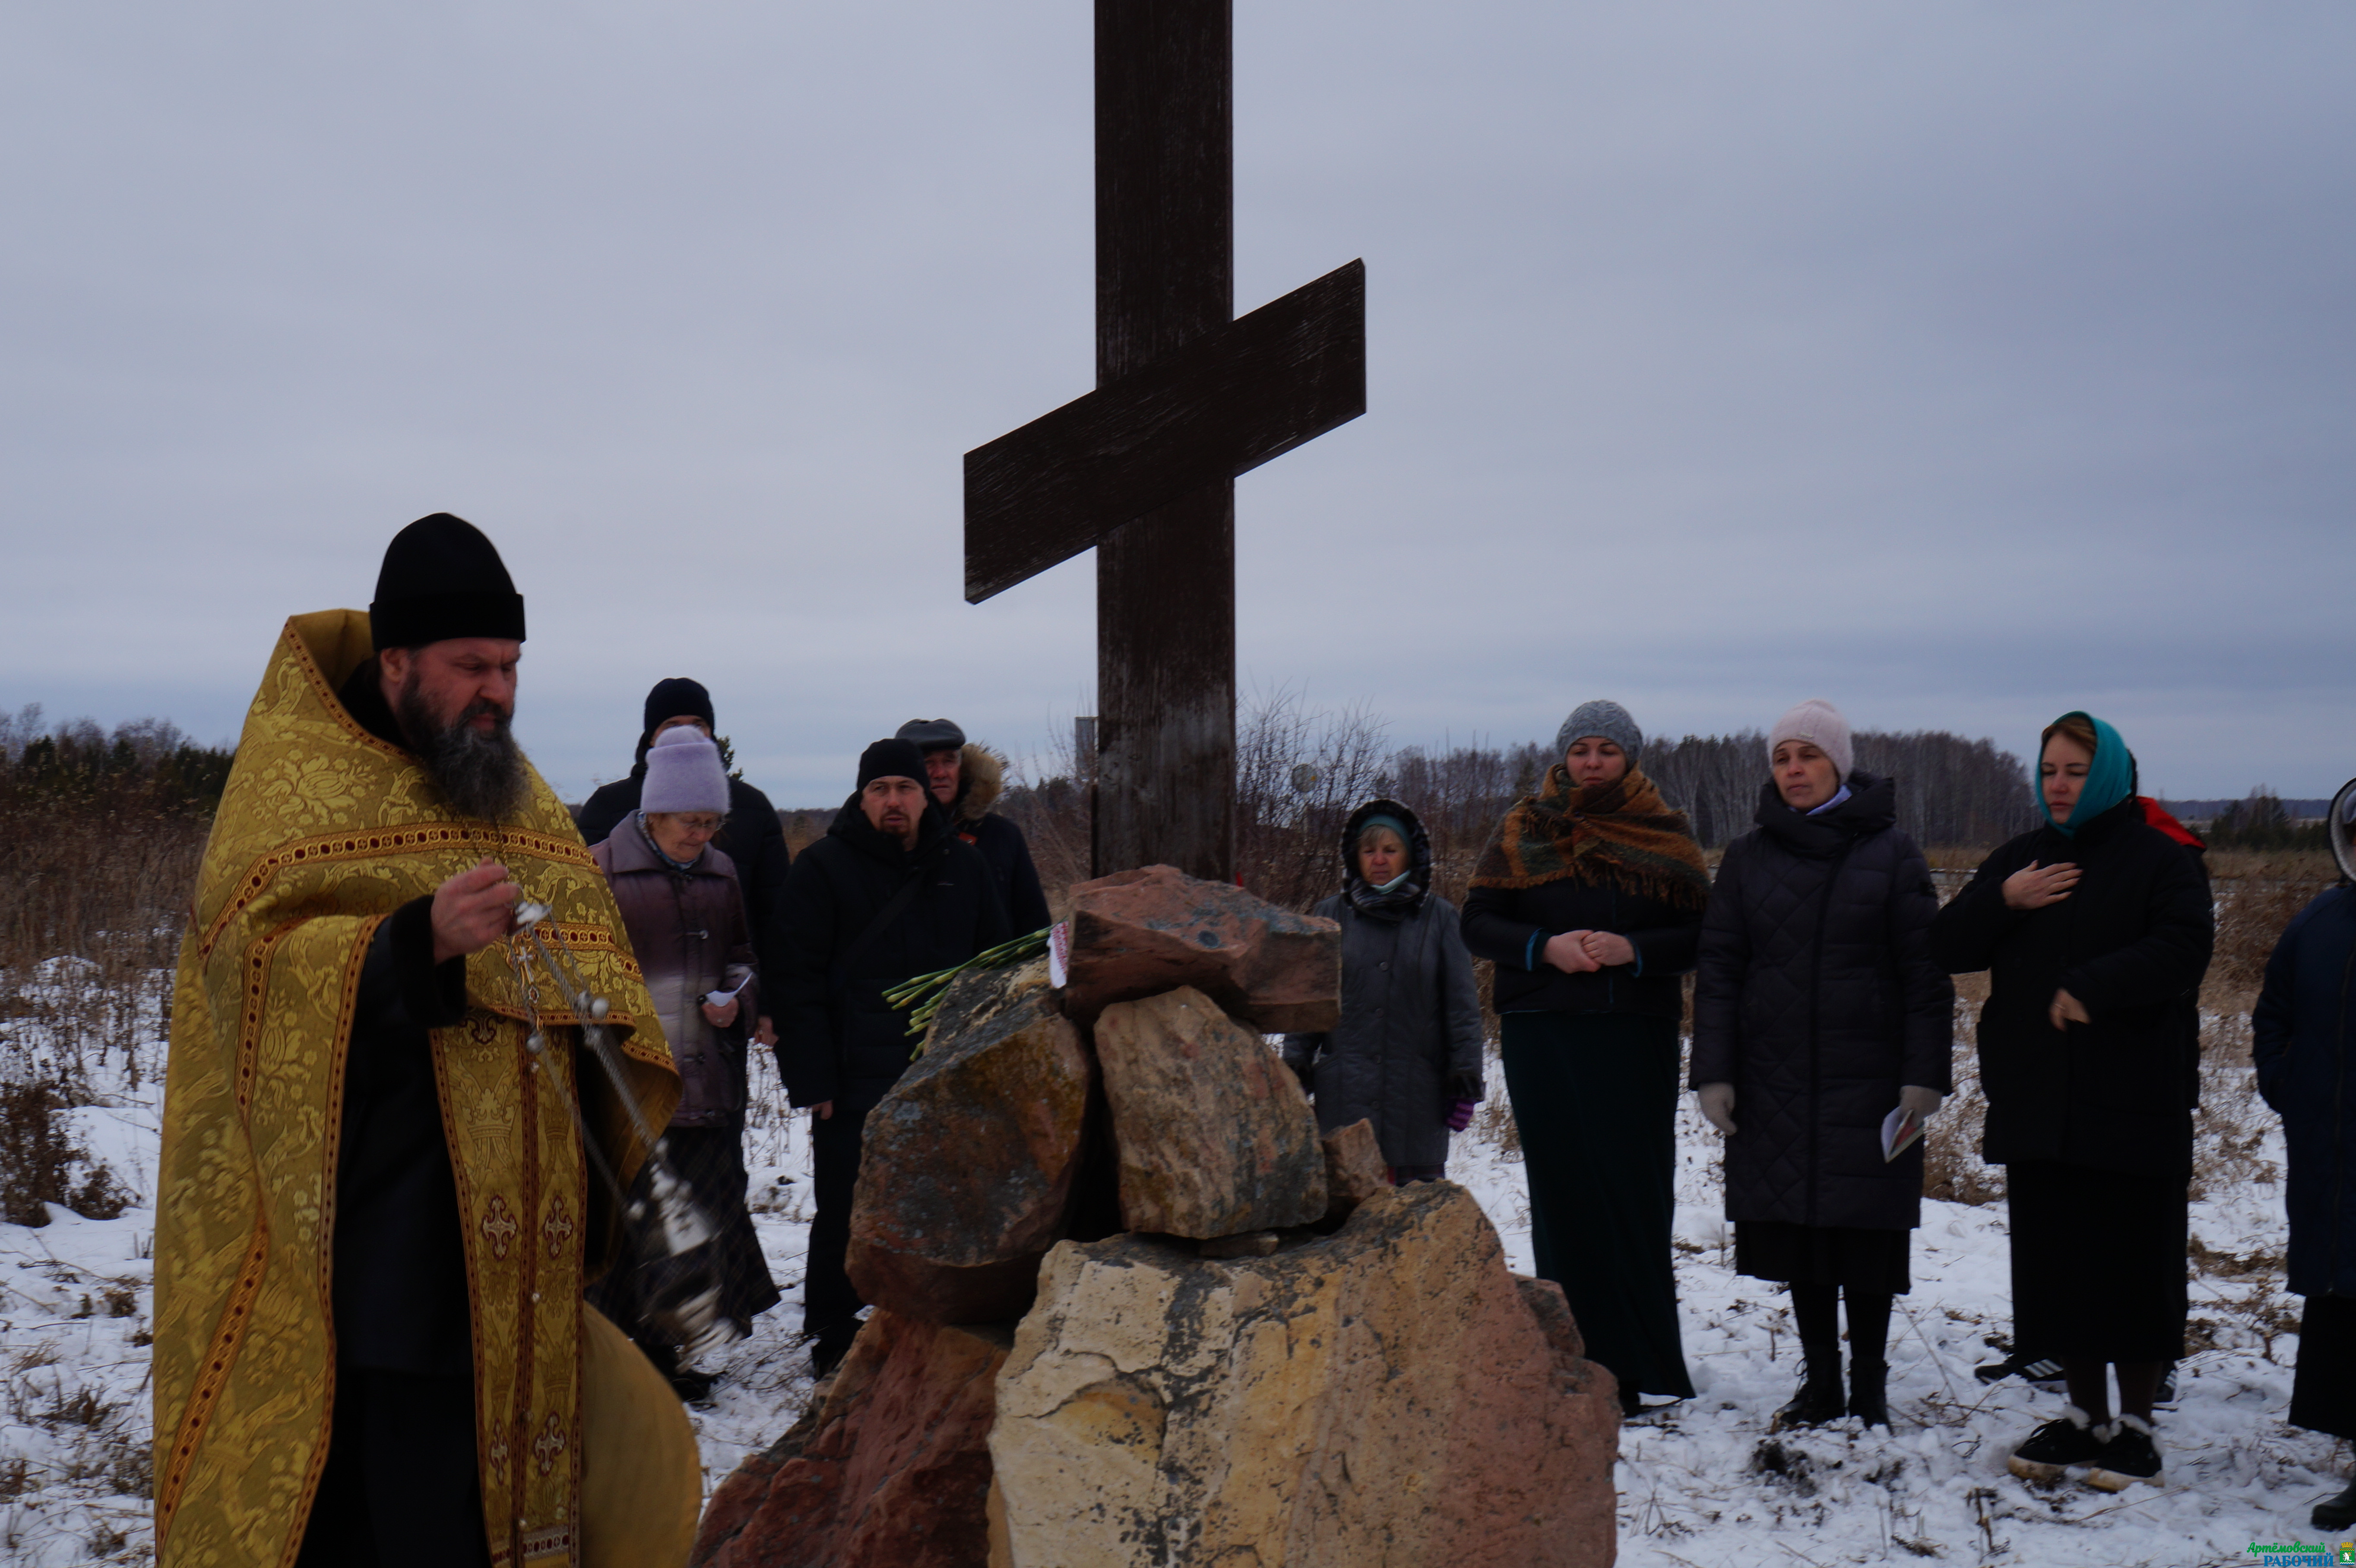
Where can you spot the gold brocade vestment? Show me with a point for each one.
(323, 832)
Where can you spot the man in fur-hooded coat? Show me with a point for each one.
(967, 780)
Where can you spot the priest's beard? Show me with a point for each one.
(480, 776)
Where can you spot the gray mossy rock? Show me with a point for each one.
(1137, 933)
(967, 1177)
(1388, 1394)
(1211, 1132)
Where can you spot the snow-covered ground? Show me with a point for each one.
(1701, 1484)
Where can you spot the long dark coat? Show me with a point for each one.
(1410, 1013)
(835, 1031)
(1814, 995)
(2304, 1030)
(2131, 942)
(689, 933)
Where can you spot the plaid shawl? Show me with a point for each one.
(1621, 833)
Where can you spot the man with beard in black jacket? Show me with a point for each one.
(891, 892)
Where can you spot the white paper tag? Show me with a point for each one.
(1898, 1131)
(1059, 953)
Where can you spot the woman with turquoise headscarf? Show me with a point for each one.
(2095, 930)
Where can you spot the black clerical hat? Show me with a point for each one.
(441, 578)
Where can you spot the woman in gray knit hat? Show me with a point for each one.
(1589, 900)
(685, 916)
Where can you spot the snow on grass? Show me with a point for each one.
(1702, 1484)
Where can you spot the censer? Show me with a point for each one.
(674, 1240)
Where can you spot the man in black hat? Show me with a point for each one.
(967, 780)
(888, 894)
(751, 836)
(366, 1280)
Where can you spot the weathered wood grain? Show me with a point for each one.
(1215, 409)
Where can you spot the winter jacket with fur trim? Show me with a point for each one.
(1002, 844)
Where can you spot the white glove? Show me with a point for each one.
(1923, 1103)
(1718, 1104)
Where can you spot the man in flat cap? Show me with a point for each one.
(967, 780)
(373, 1220)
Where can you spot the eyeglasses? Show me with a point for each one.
(704, 824)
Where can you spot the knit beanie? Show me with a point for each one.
(893, 759)
(442, 579)
(1607, 719)
(1820, 724)
(683, 773)
(932, 734)
(677, 697)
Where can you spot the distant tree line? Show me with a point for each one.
(1951, 791)
(147, 761)
(2261, 821)
(1299, 773)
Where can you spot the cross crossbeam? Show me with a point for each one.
(1217, 409)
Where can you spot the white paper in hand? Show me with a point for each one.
(1900, 1129)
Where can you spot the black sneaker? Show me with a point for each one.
(2335, 1513)
(2130, 1455)
(692, 1387)
(2056, 1449)
(2167, 1394)
(2040, 1370)
(1819, 1400)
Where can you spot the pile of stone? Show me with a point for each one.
(1130, 1308)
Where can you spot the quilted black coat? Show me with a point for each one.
(2131, 942)
(1815, 996)
(2304, 1040)
(1411, 1014)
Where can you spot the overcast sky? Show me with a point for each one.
(1962, 363)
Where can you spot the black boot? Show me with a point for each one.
(1867, 1397)
(2336, 1513)
(1819, 1400)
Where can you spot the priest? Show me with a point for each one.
(376, 1210)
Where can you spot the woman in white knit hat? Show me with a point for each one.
(685, 916)
(1818, 1011)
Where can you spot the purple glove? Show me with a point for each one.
(1459, 1115)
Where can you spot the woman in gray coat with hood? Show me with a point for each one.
(1407, 1054)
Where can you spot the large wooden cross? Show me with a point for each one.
(1143, 468)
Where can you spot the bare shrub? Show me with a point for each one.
(40, 1164)
(1300, 772)
(1952, 1167)
(2256, 897)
